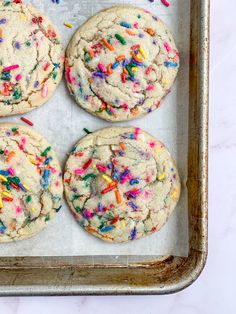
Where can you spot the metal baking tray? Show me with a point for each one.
(119, 275)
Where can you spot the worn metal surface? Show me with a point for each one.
(86, 275)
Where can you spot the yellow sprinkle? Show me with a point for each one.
(33, 209)
(26, 187)
(68, 24)
(34, 162)
(166, 82)
(123, 223)
(143, 53)
(7, 194)
(107, 179)
(161, 177)
(174, 194)
(3, 178)
(134, 69)
(1, 203)
(23, 17)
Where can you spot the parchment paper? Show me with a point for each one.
(61, 121)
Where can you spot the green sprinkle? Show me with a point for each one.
(54, 75)
(139, 16)
(129, 70)
(89, 175)
(1, 152)
(47, 218)
(14, 130)
(28, 199)
(121, 39)
(17, 94)
(28, 43)
(87, 131)
(46, 151)
(6, 3)
(87, 57)
(75, 197)
(78, 209)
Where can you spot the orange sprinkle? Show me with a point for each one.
(91, 53)
(91, 230)
(131, 33)
(106, 43)
(90, 80)
(136, 58)
(134, 111)
(12, 225)
(109, 69)
(10, 156)
(125, 71)
(122, 146)
(120, 58)
(0, 32)
(150, 31)
(112, 184)
(118, 197)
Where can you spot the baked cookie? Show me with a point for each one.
(121, 184)
(30, 182)
(121, 63)
(31, 58)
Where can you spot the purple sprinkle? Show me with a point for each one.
(140, 35)
(17, 45)
(109, 166)
(133, 234)
(124, 174)
(36, 84)
(132, 79)
(133, 205)
(149, 110)
(155, 18)
(74, 190)
(121, 153)
(136, 62)
(100, 208)
(3, 21)
(1, 39)
(99, 74)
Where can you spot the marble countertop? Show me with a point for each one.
(215, 290)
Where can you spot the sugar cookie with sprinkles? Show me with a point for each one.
(30, 182)
(121, 63)
(31, 58)
(121, 184)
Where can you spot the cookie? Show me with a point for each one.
(121, 63)
(121, 184)
(30, 182)
(31, 58)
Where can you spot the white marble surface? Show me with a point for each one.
(215, 290)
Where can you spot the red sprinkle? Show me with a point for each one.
(14, 186)
(27, 121)
(165, 2)
(109, 189)
(87, 164)
(114, 220)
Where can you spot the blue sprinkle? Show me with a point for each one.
(132, 136)
(115, 174)
(149, 110)
(140, 35)
(132, 78)
(170, 64)
(107, 228)
(47, 161)
(58, 209)
(4, 173)
(115, 65)
(46, 175)
(121, 153)
(133, 205)
(125, 62)
(21, 187)
(99, 74)
(132, 195)
(2, 227)
(125, 24)
(133, 234)
(57, 65)
(134, 181)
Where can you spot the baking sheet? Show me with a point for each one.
(61, 121)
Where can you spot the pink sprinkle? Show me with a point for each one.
(166, 3)
(152, 144)
(87, 213)
(11, 171)
(11, 67)
(125, 107)
(149, 70)
(102, 168)
(53, 170)
(136, 25)
(68, 76)
(44, 93)
(18, 77)
(112, 110)
(22, 143)
(101, 67)
(150, 88)
(57, 183)
(19, 210)
(167, 47)
(79, 171)
(135, 192)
